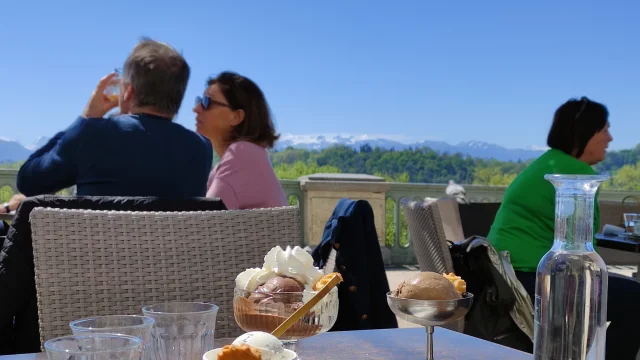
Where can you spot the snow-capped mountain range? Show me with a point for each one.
(479, 149)
(11, 150)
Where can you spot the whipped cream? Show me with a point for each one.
(292, 262)
(251, 278)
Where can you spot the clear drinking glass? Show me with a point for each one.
(94, 347)
(572, 279)
(113, 90)
(133, 325)
(182, 330)
(631, 222)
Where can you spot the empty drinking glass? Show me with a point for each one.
(632, 223)
(133, 325)
(94, 347)
(182, 330)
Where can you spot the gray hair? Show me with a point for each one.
(159, 75)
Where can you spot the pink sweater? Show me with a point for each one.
(244, 179)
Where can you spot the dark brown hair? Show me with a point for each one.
(159, 75)
(575, 123)
(243, 94)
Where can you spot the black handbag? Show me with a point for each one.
(489, 317)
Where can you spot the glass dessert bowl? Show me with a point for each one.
(265, 311)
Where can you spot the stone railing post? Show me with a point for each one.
(321, 193)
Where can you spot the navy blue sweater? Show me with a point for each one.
(129, 155)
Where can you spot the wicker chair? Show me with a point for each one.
(611, 213)
(103, 262)
(430, 225)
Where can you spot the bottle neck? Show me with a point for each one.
(574, 221)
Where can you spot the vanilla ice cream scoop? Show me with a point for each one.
(270, 347)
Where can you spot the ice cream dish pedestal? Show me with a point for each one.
(430, 313)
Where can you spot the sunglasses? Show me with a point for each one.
(585, 101)
(206, 102)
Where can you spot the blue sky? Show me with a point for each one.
(448, 70)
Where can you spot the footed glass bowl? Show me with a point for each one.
(430, 313)
(258, 311)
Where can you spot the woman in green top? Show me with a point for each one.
(524, 224)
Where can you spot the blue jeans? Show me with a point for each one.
(623, 300)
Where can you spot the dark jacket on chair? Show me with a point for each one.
(19, 328)
(363, 302)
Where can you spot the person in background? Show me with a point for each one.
(234, 115)
(139, 153)
(525, 222)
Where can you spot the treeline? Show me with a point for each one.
(421, 165)
(424, 165)
(618, 159)
(10, 165)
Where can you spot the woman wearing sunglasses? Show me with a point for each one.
(234, 115)
(524, 224)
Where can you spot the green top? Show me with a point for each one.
(525, 222)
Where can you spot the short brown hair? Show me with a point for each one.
(159, 75)
(243, 94)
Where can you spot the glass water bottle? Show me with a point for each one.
(571, 282)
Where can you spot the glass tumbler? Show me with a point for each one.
(113, 89)
(631, 222)
(182, 330)
(94, 347)
(133, 325)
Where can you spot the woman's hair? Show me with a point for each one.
(575, 123)
(243, 94)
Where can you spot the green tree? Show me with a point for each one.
(299, 168)
(389, 212)
(11, 165)
(625, 178)
(5, 194)
(493, 176)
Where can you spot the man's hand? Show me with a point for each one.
(99, 103)
(13, 203)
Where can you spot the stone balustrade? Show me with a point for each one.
(317, 195)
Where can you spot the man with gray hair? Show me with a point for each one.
(140, 152)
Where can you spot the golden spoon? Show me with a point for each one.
(280, 330)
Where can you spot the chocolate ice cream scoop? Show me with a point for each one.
(281, 284)
(427, 286)
(278, 284)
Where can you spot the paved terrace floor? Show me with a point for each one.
(396, 275)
